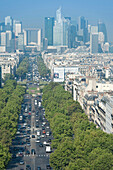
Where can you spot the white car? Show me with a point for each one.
(44, 123)
(47, 127)
(44, 142)
(47, 133)
(37, 141)
(42, 136)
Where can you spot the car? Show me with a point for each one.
(21, 162)
(42, 136)
(45, 143)
(37, 126)
(37, 141)
(38, 168)
(33, 136)
(28, 144)
(13, 156)
(47, 127)
(44, 132)
(20, 154)
(49, 140)
(27, 152)
(47, 134)
(44, 123)
(33, 151)
(24, 135)
(27, 140)
(18, 132)
(48, 166)
(43, 128)
(28, 136)
(40, 145)
(28, 167)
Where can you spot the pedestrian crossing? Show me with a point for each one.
(37, 155)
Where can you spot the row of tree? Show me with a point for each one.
(23, 68)
(43, 70)
(77, 143)
(11, 98)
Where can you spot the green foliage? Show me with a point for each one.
(8, 77)
(11, 97)
(23, 68)
(43, 70)
(77, 143)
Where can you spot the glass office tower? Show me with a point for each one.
(49, 23)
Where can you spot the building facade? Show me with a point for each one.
(49, 23)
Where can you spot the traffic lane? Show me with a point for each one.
(41, 161)
(30, 160)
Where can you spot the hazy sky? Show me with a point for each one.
(32, 12)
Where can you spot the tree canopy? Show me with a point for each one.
(77, 143)
(11, 97)
(43, 70)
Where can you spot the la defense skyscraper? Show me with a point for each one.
(102, 28)
(60, 29)
(49, 23)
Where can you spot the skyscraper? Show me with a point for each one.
(71, 36)
(94, 39)
(21, 41)
(83, 29)
(49, 23)
(3, 38)
(17, 27)
(8, 41)
(60, 29)
(102, 28)
(9, 23)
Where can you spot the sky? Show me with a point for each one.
(32, 12)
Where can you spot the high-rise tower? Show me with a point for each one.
(49, 23)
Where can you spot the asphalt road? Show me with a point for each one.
(22, 146)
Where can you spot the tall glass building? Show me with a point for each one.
(102, 28)
(49, 23)
(8, 23)
(60, 29)
(83, 29)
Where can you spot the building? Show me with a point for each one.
(32, 35)
(8, 41)
(2, 27)
(60, 30)
(94, 39)
(3, 38)
(45, 43)
(94, 43)
(9, 63)
(60, 72)
(49, 23)
(82, 29)
(8, 23)
(21, 41)
(71, 36)
(102, 28)
(17, 27)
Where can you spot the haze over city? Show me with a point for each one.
(32, 13)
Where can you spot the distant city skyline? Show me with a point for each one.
(32, 13)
